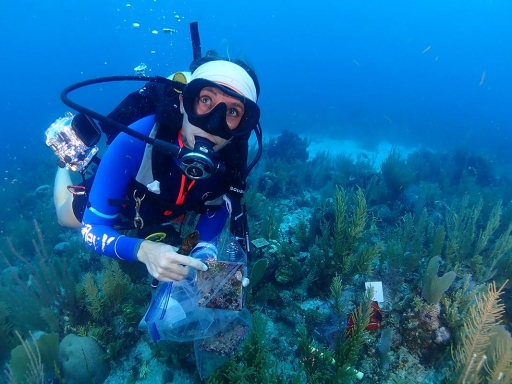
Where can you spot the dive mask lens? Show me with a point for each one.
(198, 164)
(214, 122)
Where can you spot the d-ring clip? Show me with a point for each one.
(138, 222)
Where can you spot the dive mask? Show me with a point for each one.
(214, 122)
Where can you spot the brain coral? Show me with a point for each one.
(82, 360)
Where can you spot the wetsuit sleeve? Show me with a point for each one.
(210, 224)
(117, 169)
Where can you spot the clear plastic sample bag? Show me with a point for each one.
(205, 303)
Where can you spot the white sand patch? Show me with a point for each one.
(350, 148)
(353, 150)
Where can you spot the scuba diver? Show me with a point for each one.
(207, 117)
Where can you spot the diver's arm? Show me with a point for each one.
(117, 168)
(164, 263)
(106, 240)
(63, 200)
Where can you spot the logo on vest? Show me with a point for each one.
(241, 191)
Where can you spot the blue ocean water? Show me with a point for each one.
(426, 73)
(431, 74)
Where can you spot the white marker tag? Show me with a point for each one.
(378, 292)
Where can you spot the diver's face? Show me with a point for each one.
(190, 131)
(210, 97)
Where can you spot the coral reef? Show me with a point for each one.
(34, 361)
(478, 355)
(396, 174)
(433, 285)
(288, 146)
(326, 220)
(82, 360)
(115, 306)
(252, 364)
(337, 364)
(7, 341)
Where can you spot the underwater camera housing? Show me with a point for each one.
(73, 139)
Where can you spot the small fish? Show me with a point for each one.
(482, 78)
(426, 50)
(355, 62)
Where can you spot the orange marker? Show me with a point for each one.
(426, 50)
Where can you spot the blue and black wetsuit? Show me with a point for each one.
(116, 181)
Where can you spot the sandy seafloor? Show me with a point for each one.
(354, 150)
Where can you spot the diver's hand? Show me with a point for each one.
(165, 264)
